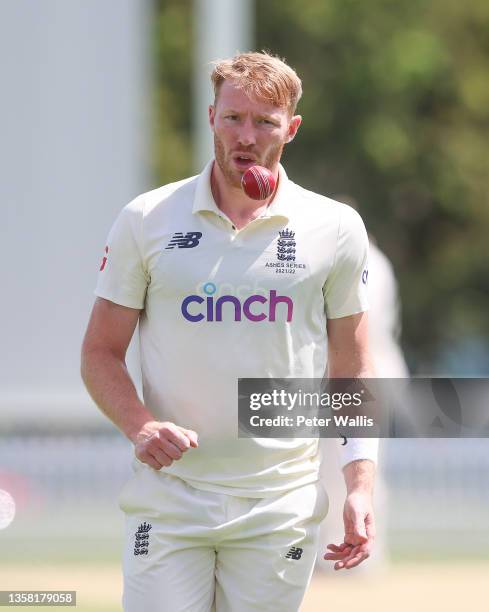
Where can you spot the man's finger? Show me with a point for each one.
(333, 548)
(162, 458)
(175, 435)
(170, 449)
(340, 554)
(192, 437)
(343, 551)
(347, 560)
(349, 554)
(153, 463)
(336, 556)
(356, 560)
(150, 460)
(336, 548)
(341, 546)
(358, 554)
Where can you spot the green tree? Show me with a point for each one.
(172, 111)
(396, 115)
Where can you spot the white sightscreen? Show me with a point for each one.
(72, 110)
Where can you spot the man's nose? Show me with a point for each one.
(246, 134)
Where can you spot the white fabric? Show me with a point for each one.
(384, 329)
(384, 318)
(191, 363)
(358, 448)
(200, 547)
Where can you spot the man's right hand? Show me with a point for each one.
(159, 444)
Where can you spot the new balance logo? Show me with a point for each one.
(187, 241)
(142, 539)
(294, 553)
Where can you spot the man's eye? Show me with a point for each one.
(232, 117)
(266, 121)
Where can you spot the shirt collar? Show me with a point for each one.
(204, 200)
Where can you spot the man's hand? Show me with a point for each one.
(359, 537)
(160, 444)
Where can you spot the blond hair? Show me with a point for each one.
(261, 76)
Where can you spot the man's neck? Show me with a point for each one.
(233, 201)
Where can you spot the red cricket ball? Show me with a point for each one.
(258, 183)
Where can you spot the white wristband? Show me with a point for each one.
(358, 448)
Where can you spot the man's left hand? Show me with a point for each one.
(358, 518)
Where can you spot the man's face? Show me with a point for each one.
(248, 132)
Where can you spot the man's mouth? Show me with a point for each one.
(243, 162)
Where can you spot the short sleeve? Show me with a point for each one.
(345, 289)
(122, 276)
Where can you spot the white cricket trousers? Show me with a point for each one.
(189, 550)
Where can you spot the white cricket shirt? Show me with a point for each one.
(222, 304)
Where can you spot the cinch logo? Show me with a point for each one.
(232, 306)
(189, 241)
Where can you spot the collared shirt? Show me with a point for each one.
(204, 200)
(221, 304)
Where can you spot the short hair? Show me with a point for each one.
(262, 76)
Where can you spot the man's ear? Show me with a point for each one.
(212, 114)
(294, 124)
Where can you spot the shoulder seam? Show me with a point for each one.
(139, 237)
(141, 230)
(337, 237)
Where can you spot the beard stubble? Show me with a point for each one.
(232, 176)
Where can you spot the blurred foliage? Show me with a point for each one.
(172, 64)
(396, 116)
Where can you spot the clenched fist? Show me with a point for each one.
(159, 444)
